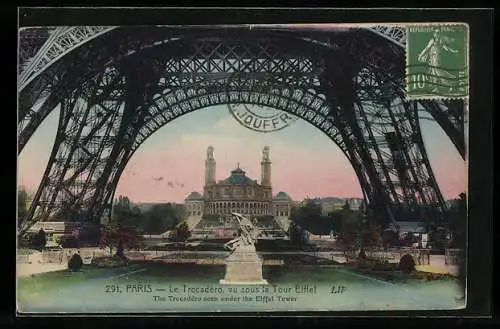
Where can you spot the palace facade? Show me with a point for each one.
(238, 193)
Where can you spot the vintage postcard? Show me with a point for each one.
(245, 168)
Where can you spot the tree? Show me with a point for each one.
(152, 222)
(22, 205)
(117, 236)
(23, 197)
(458, 228)
(389, 237)
(309, 217)
(458, 221)
(296, 234)
(39, 240)
(124, 214)
(349, 239)
(346, 206)
(162, 217)
(180, 212)
(335, 221)
(370, 238)
(181, 233)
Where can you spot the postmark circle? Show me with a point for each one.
(261, 118)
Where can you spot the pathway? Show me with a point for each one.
(36, 266)
(437, 265)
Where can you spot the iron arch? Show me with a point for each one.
(166, 113)
(79, 65)
(42, 70)
(109, 94)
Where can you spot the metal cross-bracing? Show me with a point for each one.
(89, 121)
(118, 88)
(30, 41)
(396, 34)
(60, 41)
(391, 128)
(44, 81)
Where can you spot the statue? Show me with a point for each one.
(244, 265)
(247, 235)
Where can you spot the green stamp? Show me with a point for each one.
(437, 61)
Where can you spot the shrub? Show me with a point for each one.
(108, 262)
(407, 264)
(120, 237)
(75, 263)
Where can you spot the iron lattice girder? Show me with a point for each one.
(60, 41)
(44, 46)
(30, 42)
(81, 176)
(306, 105)
(86, 61)
(130, 41)
(84, 139)
(403, 172)
(68, 39)
(391, 32)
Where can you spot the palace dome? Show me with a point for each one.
(282, 196)
(194, 196)
(238, 177)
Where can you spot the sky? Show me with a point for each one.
(305, 162)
